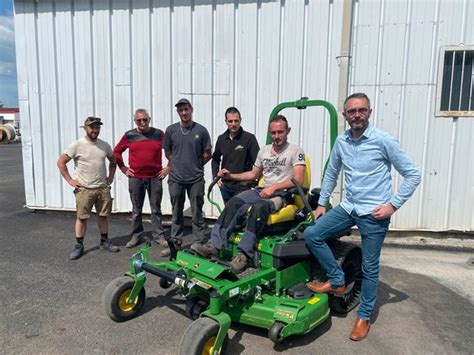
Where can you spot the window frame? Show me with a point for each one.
(442, 55)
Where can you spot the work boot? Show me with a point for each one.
(360, 330)
(239, 263)
(167, 251)
(77, 252)
(107, 245)
(325, 287)
(133, 242)
(204, 249)
(161, 241)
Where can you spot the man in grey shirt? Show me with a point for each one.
(187, 147)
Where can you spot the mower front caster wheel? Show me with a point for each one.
(115, 298)
(199, 338)
(274, 333)
(194, 307)
(164, 284)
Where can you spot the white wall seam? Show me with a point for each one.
(428, 114)
(303, 69)
(257, 61)
(56, 76)
(280, 49)
(326, 125)
(42, 198)
(454, 130)
(406, 48)
(378, 67)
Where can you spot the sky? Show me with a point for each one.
(8, 84)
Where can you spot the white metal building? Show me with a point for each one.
(108, 57)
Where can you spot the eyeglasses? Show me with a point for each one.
(142, 119)
(362, 111)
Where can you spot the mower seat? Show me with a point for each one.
(288, 212)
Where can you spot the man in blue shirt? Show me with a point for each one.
(367, 155)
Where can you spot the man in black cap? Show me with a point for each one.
(187, 147)
(91, 184)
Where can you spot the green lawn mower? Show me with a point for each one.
(271, 295)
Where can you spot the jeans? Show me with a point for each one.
(196, 199)
(233, 214)
(372, 232)
(154, 188)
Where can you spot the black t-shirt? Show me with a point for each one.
(238, 155)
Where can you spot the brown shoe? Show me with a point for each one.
(161, 241)
(360, 330)
(204, 249)
(134, 241)
(167, 251)
(325, 287)
(239, 263)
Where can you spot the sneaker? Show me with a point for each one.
(133, 242)
(167, 251)
(239, 263)
(161, 241)
(107, 245)
(204, 249)
(77, 252)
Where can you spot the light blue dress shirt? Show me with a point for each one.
(367, 162)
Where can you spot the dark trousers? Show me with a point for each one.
(196, 199)
(227, 193)
(138, 188)
(235, 212)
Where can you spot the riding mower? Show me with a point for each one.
(271, 295)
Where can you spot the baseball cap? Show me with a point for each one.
(183, 101)
(92, 120)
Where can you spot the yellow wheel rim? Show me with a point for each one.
(209, 346)
(123, 305)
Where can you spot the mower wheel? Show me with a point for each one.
(349, 257)
(199, 338)
(164, 284)
(274, 333)
(194, 307)
(115, 298)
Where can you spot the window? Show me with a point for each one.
(455, 82)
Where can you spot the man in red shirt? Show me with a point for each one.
(145, 174)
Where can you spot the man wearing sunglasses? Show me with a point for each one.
(145, 173)
(366, 154)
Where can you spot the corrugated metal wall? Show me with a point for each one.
(395, 50)
(107, 58)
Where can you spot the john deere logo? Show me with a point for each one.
(196, 265)
(239, 147)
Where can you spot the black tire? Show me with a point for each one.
(194, 307)
(199, 337)
(115, 296)
(274, 333)
(349, 257)
(164, 284)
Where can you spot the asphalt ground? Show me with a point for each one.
(51, 305)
